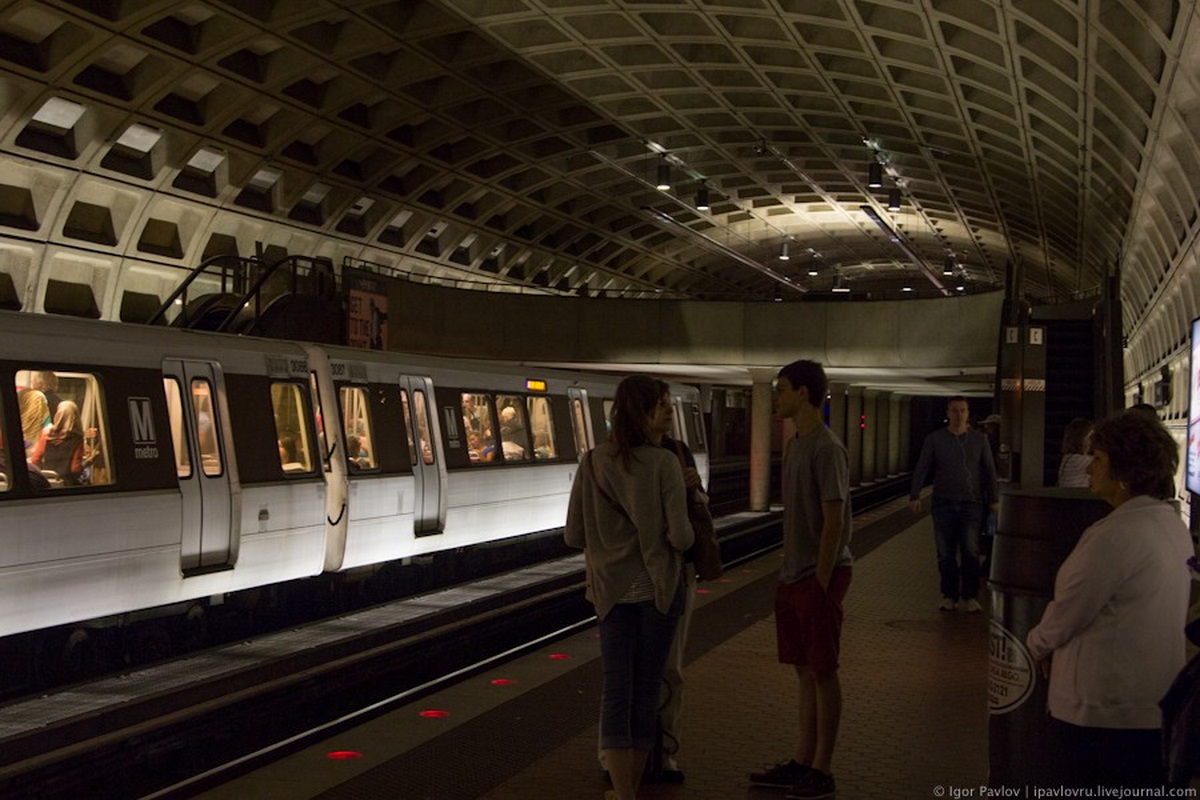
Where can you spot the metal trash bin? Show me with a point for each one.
(1037, 530)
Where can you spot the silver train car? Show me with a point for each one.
(147, 469)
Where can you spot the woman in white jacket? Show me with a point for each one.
(1112, 639)
(628, 512)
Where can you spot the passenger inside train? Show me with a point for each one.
(514, 440)
(291, 430)
(59, 451)
(68, 448)
(356, 420)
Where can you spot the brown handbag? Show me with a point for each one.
(705, 553)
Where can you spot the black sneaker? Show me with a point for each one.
(814, 785)
(784, 774)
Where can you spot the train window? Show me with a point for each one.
(421, 409)
(356, 422)
(406, 412)
(579, 423)
(207, 436)
(541, 422)
(65, 427)
(481, 433)
(175, 418)
(295, 452)
(514, 433)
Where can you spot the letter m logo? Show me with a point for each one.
(141, 420)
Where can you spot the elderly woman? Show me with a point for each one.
(628, 512)
(1115, 626)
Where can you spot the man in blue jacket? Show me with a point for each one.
(964, 487)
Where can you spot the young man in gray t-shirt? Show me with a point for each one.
(814, 578)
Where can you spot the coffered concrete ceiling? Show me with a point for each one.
(519, 141)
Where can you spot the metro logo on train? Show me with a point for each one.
(141, 422)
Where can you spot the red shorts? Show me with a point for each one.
(808, 622)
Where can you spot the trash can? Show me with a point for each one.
(1037, 530)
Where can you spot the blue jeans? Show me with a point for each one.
(635, 639)
(956, 531)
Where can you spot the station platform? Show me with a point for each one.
(914, 722)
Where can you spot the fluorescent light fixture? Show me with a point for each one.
(702, 197)
(948, 266)
(875, 175)
(783, 253)
(894, 199)
(664, 177)
(839, 288)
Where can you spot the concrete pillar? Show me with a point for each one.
(883, 427)
(854, 437)
(868, 435)
(837, 410)
(760, 439)
(906, 462)
(895, 421)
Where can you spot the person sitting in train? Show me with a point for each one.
(35, 417)
(1112, 639)
(60, 447)
(512, 434)
(288, 455)
(355, 454)
(543, 448)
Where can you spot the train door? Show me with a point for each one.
(199, 420)
(581, 421)
(424, 446)
(688, 427)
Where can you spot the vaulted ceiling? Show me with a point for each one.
(521, 140)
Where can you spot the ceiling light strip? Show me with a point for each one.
(903, 244)
(726, 251)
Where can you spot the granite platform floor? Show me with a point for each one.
(914, 725)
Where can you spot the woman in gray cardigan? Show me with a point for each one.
(628, 512)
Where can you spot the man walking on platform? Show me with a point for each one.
(964, 487)
(813, 580)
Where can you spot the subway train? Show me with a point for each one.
(150, 471)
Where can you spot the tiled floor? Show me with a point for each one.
(914, 681)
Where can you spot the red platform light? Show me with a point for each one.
(503, 682)
(344, 755)
(560, 656)
(704, 591)
(434, 713)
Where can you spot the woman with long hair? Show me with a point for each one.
(35, 416)
(628, 513)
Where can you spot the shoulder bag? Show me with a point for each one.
(705, 553)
